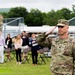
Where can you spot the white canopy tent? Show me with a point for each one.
(36, 29)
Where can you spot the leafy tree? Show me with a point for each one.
(34, 18)
(50, 18)
(18, 12)
(44, 18)
(38, 18)
(4, 14)
(66, 13)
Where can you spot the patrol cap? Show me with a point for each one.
(62, 22)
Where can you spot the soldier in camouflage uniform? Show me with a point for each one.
(62, 49)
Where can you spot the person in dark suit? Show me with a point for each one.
(34, 48)
(25, 43)
(8, 44)
(8, 41)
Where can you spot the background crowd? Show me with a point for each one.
(22, 43)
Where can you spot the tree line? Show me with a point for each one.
(37, 18)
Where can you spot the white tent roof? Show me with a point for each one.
(38, 28)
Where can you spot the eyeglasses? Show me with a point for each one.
(60, 26)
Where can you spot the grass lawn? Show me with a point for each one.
(11, 68)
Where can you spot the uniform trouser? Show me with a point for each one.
(1, 54)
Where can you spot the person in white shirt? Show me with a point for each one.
(2, 43)
(18, 44)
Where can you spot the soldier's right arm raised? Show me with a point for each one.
(43, 40)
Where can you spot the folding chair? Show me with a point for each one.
(46, 50)
(29, 53)
(25, 55)
(7, 54)
(41, 56)
(12, 53)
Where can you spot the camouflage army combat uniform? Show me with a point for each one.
(61, 50)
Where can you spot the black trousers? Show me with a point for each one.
(18, 55)
(34, 56)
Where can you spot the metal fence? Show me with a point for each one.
(72, 21)
(12, 26)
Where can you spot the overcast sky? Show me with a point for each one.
(42, 5)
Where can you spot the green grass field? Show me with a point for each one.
(11, 68)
